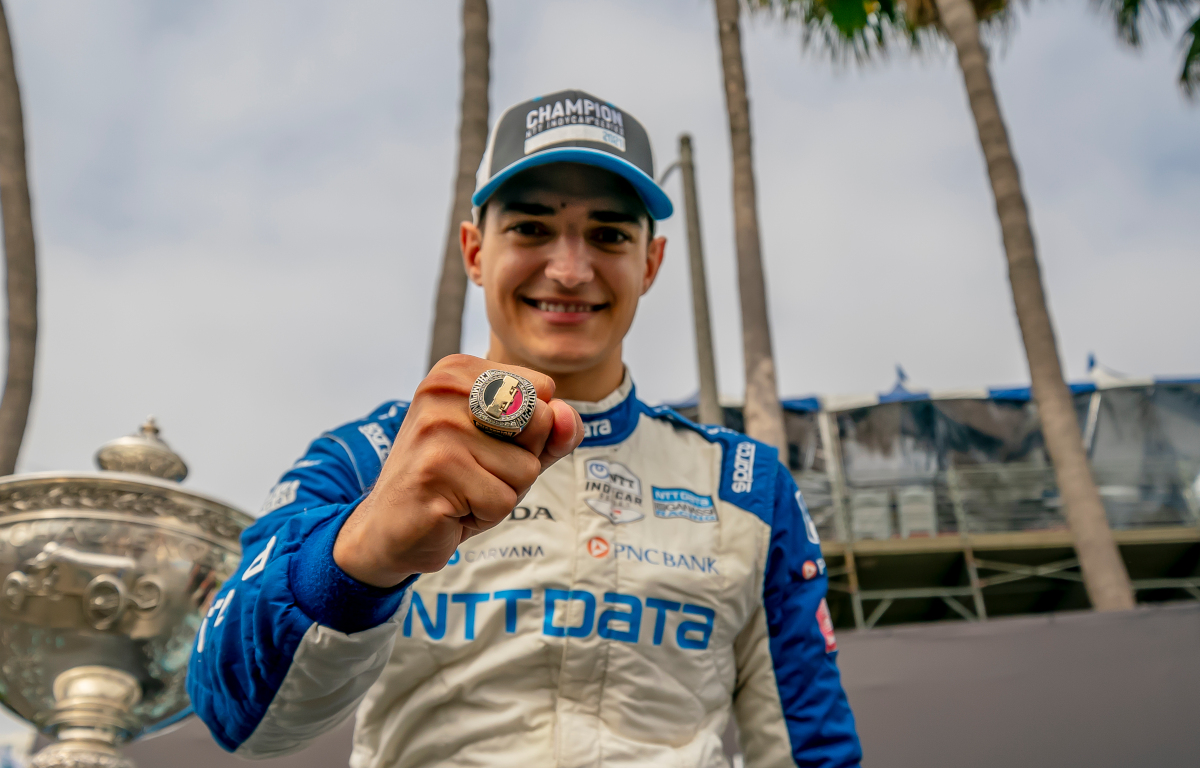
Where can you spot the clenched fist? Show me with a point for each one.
(445, 480)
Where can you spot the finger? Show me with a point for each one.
(510, 463)
(565, 435)
(537, 431)
(541, 382)
(489, 501)
(476, 497)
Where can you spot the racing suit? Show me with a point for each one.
(659, 580)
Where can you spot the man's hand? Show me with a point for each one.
(445, 480)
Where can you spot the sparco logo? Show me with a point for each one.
(743, 468)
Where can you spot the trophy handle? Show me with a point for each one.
(91, 717)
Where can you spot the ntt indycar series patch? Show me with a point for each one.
(661, 580)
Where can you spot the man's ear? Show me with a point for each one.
(470, 239)
(654, 257)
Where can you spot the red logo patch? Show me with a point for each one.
(809, 569)
(597, 547)
(825, 622)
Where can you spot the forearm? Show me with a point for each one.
(292, 643)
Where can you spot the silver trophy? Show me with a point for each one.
(106, 578)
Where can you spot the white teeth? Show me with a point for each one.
(547, 306)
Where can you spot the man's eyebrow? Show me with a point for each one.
(615, 217)
(531, 209)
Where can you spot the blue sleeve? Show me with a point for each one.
(288, 587)
(802, 643)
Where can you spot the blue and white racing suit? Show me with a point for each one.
(663, 578)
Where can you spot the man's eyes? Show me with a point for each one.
(529, 228)
(610, 235)
(600, 235)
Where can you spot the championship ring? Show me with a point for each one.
(502, 403)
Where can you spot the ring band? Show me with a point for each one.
(502, 403)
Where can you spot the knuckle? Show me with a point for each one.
(456, 362)
(436, 427)
(529, 470)
(506, 499)
(442, 381)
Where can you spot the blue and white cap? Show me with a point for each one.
(570, 127)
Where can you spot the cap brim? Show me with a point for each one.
(658, 205)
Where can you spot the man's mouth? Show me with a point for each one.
(563, 306)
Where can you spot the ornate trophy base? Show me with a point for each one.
(92, 716)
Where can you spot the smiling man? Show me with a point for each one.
(609, 587)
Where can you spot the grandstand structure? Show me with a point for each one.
(936, 506)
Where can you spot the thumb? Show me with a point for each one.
(565, 435)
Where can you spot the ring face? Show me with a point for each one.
(502, 403)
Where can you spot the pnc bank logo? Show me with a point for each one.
(597, 546)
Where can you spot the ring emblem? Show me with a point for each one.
(502, 403)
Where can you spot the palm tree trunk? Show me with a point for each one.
(472, 139)
(1104, 573)
(763, 414)
(20, 260)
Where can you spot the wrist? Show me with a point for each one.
(330, 596)
(354, 552)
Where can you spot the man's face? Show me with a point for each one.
(564, 255)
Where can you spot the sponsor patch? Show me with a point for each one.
(516, 552)
(666, 559)
(808, 570)
(612, 616)
(810, 528)
(825, 622)
(597, 546)
(281, 495)
(531, 513)
(619, 491)
(378, 440)
(597, 428)
(743, 468)
(680, 502)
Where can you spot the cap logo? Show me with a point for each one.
(579, 120)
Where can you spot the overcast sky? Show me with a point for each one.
(240, 207)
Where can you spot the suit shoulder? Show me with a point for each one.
(368, 441)
(749, 467)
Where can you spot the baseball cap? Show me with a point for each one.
(570, 127)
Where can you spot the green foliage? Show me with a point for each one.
(862, 29)
(1133, 18)
(840, 28)
(1189, 76)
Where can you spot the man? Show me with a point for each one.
(606, 588)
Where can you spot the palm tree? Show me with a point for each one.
(472, 139)
(763, 413)
(1103, 570)
(20, 260)
(1131, 17)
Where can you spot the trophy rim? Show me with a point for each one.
(118, 481)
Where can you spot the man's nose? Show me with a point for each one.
(569, 264)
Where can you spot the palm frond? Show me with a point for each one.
(1189, 76)
(1133, 18)
(842, 30)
